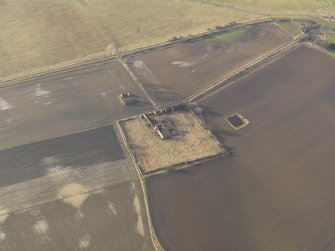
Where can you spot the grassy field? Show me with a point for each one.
(38, 34)
(291, 27)
(277, 7)
(229, 37)
(322, 21)
(330, 37)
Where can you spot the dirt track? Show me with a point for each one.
(275, 191)
(66, 103)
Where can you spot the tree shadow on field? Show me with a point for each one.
(183, 171)
(231, 151)
(210, 111)
(221, 133)
(163, 93)
(142, 103)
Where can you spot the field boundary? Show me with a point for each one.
(80, 64)
(195, 37)
(319, 48)
(244, 70)
(144, 175)
(153, 235)
(106, 58)
(174, 167)
(137, 81)
(77, 65)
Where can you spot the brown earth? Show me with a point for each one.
(77, 192)
(276, 189)
(178, 72)
(66, 103)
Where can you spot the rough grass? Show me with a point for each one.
(330, 39)
(325, 22)
(229, 37)
(151, 152)
(291, 27)
(278, 7)
(39, 33)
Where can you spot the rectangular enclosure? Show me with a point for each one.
(153, 151)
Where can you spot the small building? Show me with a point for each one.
(160, 124)
(127, 98)
(165, 129)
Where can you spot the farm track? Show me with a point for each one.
(252, 66)
(136, 80)
(194, 98)
(105, 59)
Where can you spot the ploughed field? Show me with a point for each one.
(77, 192)
(66, 103)
(276, 189)
(175, 73)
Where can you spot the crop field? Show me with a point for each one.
(330, 37)
(275, 190)
(66, 103)
(76, 192)
(178, 72)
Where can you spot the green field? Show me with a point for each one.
(278, 7)
(229, 37)
(330, 37)
(291, 27)
(39, 34)
(324, 22)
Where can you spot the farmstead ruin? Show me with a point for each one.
(168, 138)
